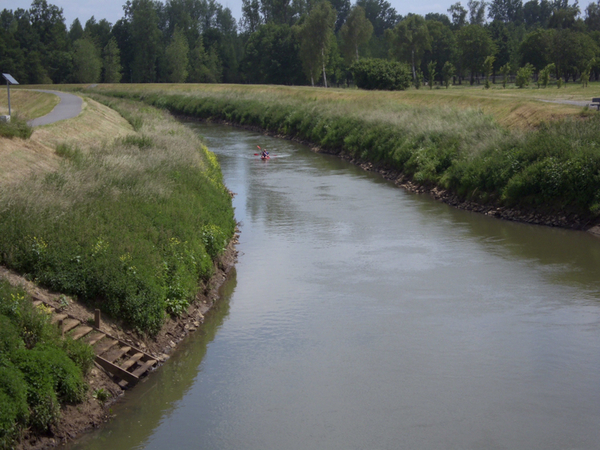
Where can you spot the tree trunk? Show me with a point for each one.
(413, 64)
(324, 76)
(312, 81)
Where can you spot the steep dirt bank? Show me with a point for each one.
(92, 413)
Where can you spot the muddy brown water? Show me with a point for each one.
(361, 316)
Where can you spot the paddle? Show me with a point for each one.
(260, 154)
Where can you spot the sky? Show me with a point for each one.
(112, 10)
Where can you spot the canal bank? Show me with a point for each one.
(363, 315)
(104, 388)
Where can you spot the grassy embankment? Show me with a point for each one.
(126, 211)
(503, 147)
(130, 223)
(39, 370)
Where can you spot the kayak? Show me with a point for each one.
(265, 157)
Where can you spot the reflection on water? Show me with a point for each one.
(368, 317)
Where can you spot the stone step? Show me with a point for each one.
(105, 345)
(94, 337)
(116, 353)
(69, 324)
(81, 331)
(144, 367)
(131, 361)
(58, 317)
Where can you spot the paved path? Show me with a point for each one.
(70, 106)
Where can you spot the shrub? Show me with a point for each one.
(524, 76)
(16, 128)
(381, 74)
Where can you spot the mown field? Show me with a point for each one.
(518, 148)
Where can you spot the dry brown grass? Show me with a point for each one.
(22, 158)
(511, 107)
(28, 104)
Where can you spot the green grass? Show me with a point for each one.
(39, 370)
(553, 168)
(129, 225)
(16, 128)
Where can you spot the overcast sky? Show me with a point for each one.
(112, 10)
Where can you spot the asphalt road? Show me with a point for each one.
(70, 106)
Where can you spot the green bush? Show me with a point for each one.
(38, 376)
(107, 233)
(381, 74)
(16, 128)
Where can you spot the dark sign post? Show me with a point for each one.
(9, 80)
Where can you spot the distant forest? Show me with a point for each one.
(301, 42)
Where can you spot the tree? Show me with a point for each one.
(251, 18)
(592, 16)
(544, 77)
(410, 39)
(381, 15)
(475, 44)
(505, 71)
(537, 14)
(477, 12)
(536, 48)
(145, 40)
(524, 76)
(507, 11)
(272, 56)
(438, 17)
(315, 39)
(447, 73)
(431, 73)
(458, 15)
(177, 58)
(111, 62)
(488, 68)
(205, 66)
(86, 62)
(356, 31)
(443, 44)
(76, 31)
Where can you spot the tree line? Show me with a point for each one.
(316, 42)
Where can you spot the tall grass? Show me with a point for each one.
(553, 169)
(129, 225)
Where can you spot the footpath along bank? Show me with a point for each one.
(138, 225)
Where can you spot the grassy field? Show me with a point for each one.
(511, 107)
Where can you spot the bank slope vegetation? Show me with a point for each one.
(553, 169)
(39, 370)
(131, 225)
(303, 42)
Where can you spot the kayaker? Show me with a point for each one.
(265, 154)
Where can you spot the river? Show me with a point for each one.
(361, 316)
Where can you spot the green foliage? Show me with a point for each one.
(16, 128)
(38, 370)
(544, 77)
(488, 68)
(448, 72)
(505, 71)
(381, 74)
(431, 72)
(122, 227)
(524, 76)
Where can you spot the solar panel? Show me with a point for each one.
(9, 78)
